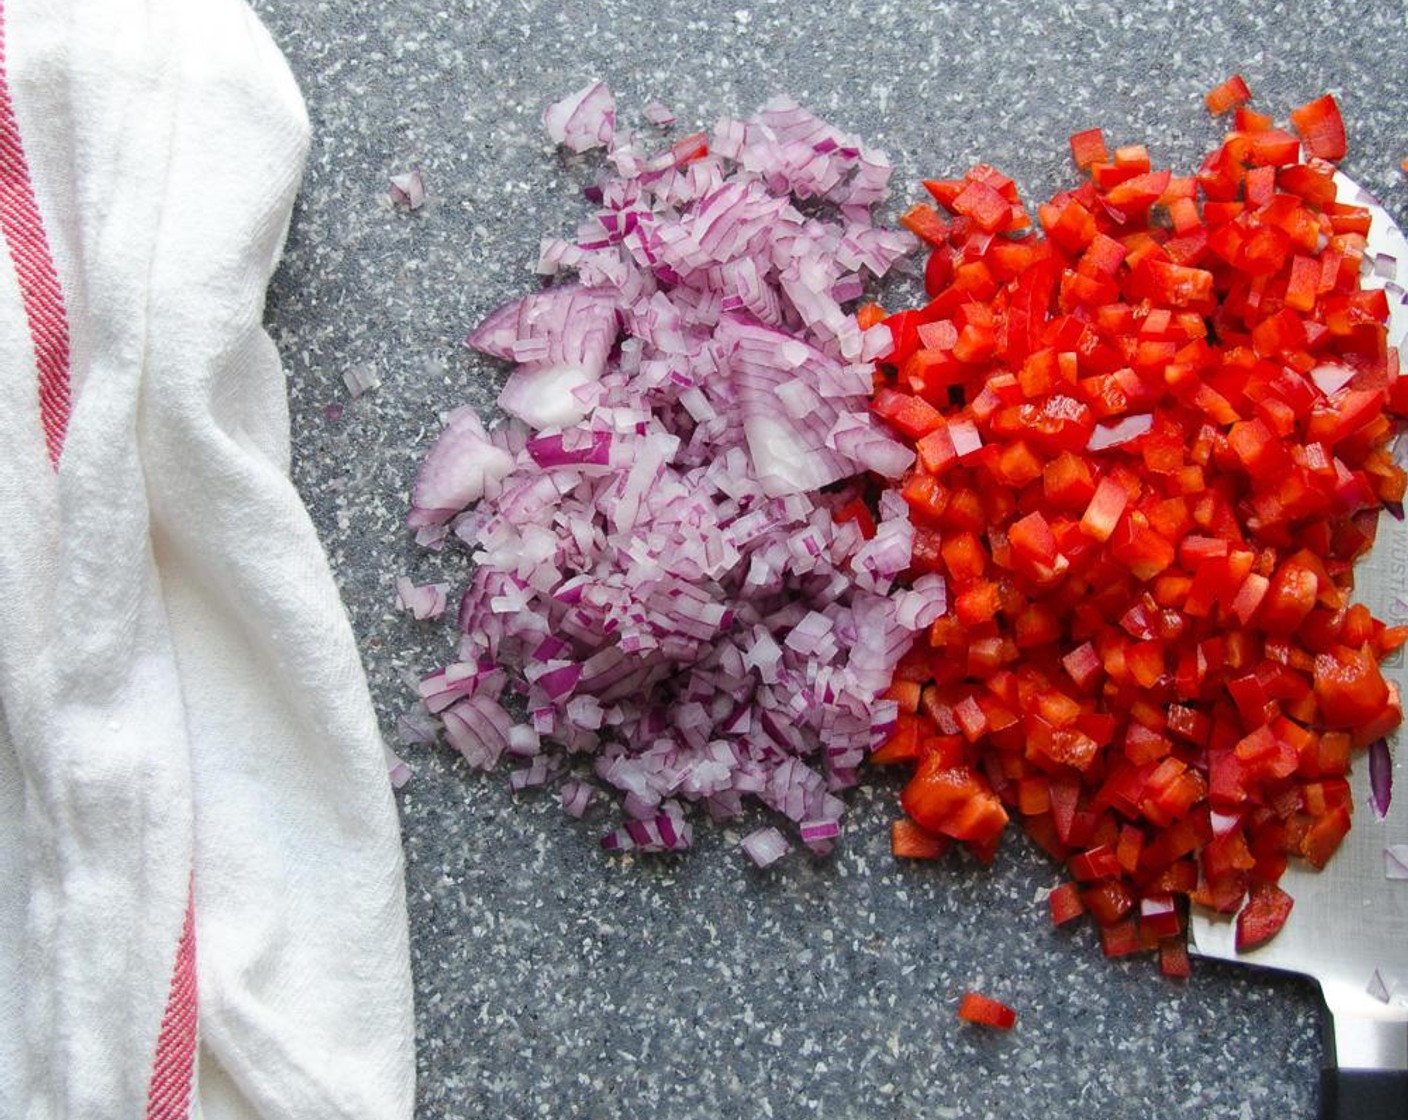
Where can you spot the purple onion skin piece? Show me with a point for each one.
(1380, 777)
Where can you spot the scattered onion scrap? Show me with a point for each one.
(422, 601)
(407, 189)
(1379, 987)
(766, 846)
(360, 379)
(676, 570)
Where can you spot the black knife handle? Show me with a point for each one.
(1363, 1094)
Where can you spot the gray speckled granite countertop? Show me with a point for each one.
(551, 981)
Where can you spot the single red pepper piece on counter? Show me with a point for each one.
(986, 1012)
(953, 800)
(1321, 128)
(910, 840)
(1231, 94)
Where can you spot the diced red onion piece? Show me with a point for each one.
(876, 342)
(1379, 988)
(1154, 907)
(423, 601)
(479, 729)
(407, 189)
(546, 397)
(918, 607)
(1380, 777)
(417, 726)
(1396, 861)
(1331, 377)
(666, 832)
(576, 797)
(658, 115)
(396, 770)
(461, 466)
(360, 379)
(1120, 432)
(583, 120)
(766, 846)
(815, 832)
(551, 451)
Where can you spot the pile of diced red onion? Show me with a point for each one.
(671, 579)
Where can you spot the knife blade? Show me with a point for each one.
(1349, 925)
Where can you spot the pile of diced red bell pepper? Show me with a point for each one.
(1152, 440)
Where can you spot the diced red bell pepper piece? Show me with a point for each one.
(1031, 539)
(1321, 128)
(923, 221)
(912, 416)
(1088, 148)
(1263, 916)
(1174, 962)
(1065, 903)
(985, 1012)
(1134, 196)
(1349, 687)
(1273, 147)
(988, 209)
(1109, 901)
(909, 840)
(1106, 507)
(1172, 285)
(1323, 837)
(1289, 599)
(1229, 95)
(902, 745)
(953, 801)
(1095, 863)
(944, 190)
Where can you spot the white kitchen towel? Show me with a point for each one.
(201, 895)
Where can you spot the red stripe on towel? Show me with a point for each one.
(34, 269)
(173, 1070)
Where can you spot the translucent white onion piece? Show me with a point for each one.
(785, 459)
(658, 114)
(396, 770)
(417, 727)
(424, 601)
(1331, 377)
(460, 467)
(360, 379)
(765, 846)
(407, 189)
(1120, 432)
(548, 396)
